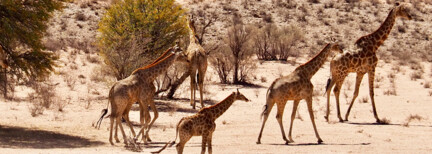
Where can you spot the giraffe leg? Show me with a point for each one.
(121, 129)
(269, 106)
(184, 137)
(111, 129)
(126, 117)
(279, 115)
(192, 88)
(201, 75)
(204, 143)
(328, 91)
(309, 105)
(336, 92)
(209, 142)
(371, 76)
(115, 134)
(156, 115)
(293, 114)
(356, 92)
(201, 86)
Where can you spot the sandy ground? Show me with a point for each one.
(237, 129)
(71, 131)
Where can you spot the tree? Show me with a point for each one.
(22, 26)
(237, 40)
(134, 32)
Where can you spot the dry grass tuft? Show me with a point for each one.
(385, 121)
(412, 118)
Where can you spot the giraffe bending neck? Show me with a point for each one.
(215, 111)
(157, 68)
(377, 38)
(309, 68)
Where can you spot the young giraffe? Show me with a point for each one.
(3, 62)
(197, 64)
(362, 61)
(203, 123)
(138, 87)
(295, 86)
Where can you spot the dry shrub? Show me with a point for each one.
(221, 61)
(416, 75)
(93, 59)
(384, 121)
(412, 118)
(427, 84)
(364, 99)
(53, 44)
(274, 43)
(42, 97)
(80, 16)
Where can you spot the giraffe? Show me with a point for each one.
(3, 61)
(361, 61)
(138, 87)
(197, 63)
(203, 123)
(295, 86)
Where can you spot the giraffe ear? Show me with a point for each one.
(238, 91)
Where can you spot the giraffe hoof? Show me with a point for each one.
(326, 118)
(287, 142)
(258, 142)
(320, 141)
(341, 120)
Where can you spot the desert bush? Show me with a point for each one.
(221, 61)
(274, 43)
(42, 97)
(418, 74)
(238, 42)
(80, 16)
(411, 118)
(427, 84)
(131, 29)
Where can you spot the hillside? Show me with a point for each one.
(79, 86)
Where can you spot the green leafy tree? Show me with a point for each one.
(134, 32)
(22, 26)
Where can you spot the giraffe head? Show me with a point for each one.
(402, 11)
(335, 48)
(3, 62)
(240, 96)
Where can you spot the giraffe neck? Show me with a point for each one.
(377, 38)
(218, 109)
(309, 68)
(150, 72)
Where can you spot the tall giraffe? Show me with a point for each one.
(295, 86)
(3, 62)
(197, 63)
(138, 87)
(361, 61)
(203, 123)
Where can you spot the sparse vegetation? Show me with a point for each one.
(411, 118)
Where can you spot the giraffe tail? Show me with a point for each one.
(329, 85)
(170, 143)
(265, 107)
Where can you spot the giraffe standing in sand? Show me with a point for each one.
(138, 87)
(361, 61)
(197, 63)
(203, 123)
(295, 86)
(3, 62)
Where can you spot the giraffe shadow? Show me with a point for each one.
(20, 137)
(322, 144)
(168, 105)
(378, 124)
